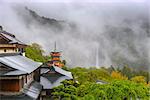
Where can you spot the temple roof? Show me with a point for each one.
(50, 80)
(56, 69)
(20, 63)
(10, 37)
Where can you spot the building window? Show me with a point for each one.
(4, 50)
(22, 49)
(19, 49)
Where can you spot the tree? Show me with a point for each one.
(90, 75)
(139, 79)
(64, 62)
(127, 71)
(115, 90)
(35, 52)
(65, 91)
(111, 68)
(118, 75)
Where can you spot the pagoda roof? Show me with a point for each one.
(56, 52)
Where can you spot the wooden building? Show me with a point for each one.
(10, 44)
(19, 78)
(19, 75)
(52, 74)
(23, 79)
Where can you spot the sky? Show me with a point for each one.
(106, 1)
(106, 32)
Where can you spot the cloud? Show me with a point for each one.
(118, 30)
(72, 1)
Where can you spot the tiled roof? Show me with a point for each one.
(33, 90)
(21, 63)
(63, 72)
(50, 80)
(11, 37)
(15, 72)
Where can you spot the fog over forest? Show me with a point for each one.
(87, 33)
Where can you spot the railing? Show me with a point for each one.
(7, 45)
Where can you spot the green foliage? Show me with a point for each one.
(127, 71)
(138, 79)
(65, 91)
(35, 52)
(65, 68)
(90, 75)
(115, 90)
(130, 72)
(118, 75)
(88, 97)
(88, 89)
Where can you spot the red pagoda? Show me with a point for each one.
(55, 58)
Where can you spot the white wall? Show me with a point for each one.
(8, 50)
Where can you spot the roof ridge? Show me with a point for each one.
(11, 37)
(7, 33)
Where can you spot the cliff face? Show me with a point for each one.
(30, 17)
(53, 23)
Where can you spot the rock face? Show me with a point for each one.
(55, 25)
(46, 21)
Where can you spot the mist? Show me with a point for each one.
(118, 30)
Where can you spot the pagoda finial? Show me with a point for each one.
(55, 47)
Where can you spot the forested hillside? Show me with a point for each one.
(104, 83)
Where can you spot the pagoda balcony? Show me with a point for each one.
(55, 54)
(57, 59)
